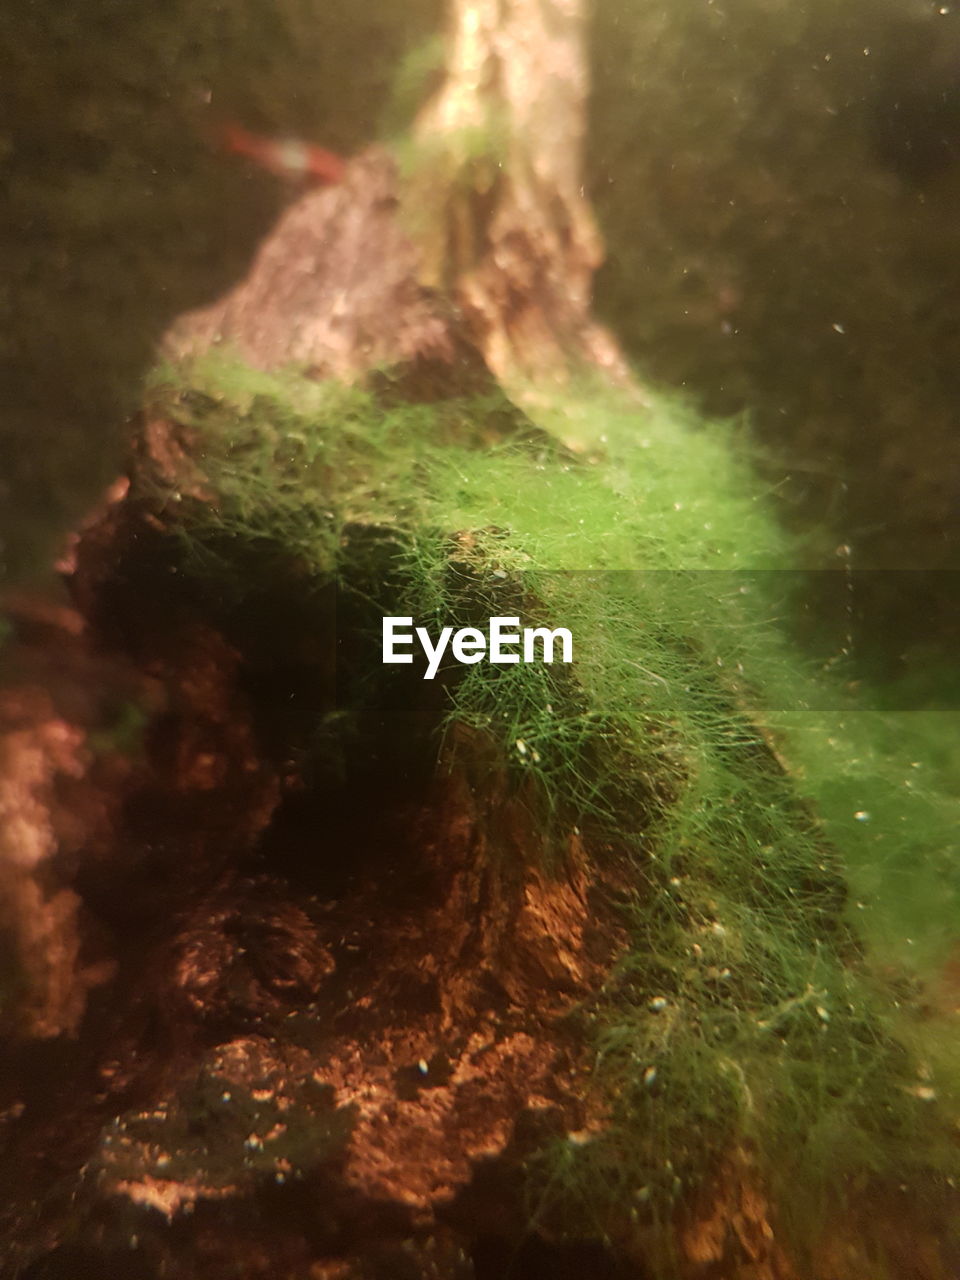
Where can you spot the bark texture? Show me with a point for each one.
(486, 239)
(517, 237)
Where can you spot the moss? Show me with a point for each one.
(419, 73)
(754, 1006)
(466, 163)
(767, 254)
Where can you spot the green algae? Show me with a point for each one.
(783, 844)
(767, 253)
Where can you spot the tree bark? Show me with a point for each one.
(483, 238)
(513, 236)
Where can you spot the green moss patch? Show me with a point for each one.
(688, 741)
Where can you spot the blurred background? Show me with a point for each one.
(777, 185)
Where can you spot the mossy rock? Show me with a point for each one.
(689, 738)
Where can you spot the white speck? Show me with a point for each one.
(862, 815)
(580, 1138)
(521, 746)
(650, 1075)
(422, 1067)
(838, 328)
(822, 1013)
(678, 506)
(923, 1092)
(657, 1004)
(225, 1097)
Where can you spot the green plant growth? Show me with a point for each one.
(467, 163)
(419, 73)
(781, 235)
(777, 848)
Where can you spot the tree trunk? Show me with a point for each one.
(486, 239)
(511, 234)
